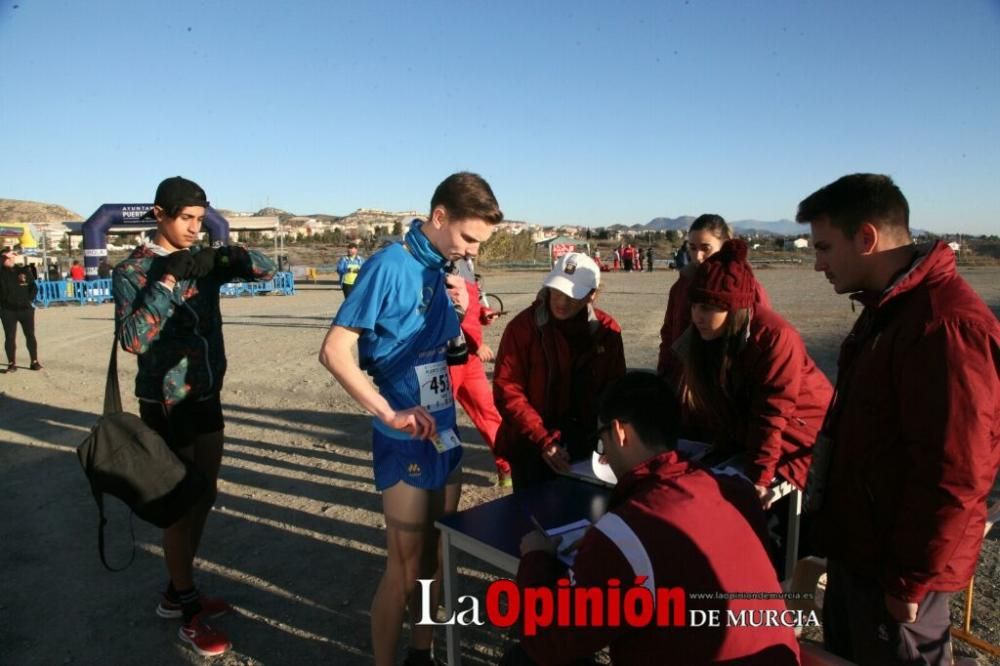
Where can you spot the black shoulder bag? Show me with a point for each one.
(127, 459)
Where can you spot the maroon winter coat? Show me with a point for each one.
(915, 430)
(677, 318)
(675, 523)
(537, 379)
(781, 396)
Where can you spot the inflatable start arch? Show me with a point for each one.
(24, 233)
(126, 216)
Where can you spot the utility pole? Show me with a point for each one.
(45, 251)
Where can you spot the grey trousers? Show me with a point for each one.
(857, 626)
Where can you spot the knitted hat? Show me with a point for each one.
(725, 279)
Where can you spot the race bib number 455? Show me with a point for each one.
(435, 386)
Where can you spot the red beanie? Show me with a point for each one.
(725, 279)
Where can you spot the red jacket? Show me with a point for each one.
(540, 388)
(915, 432)
(675, 523)
(472, 325)
(781, 396)
(678, 316)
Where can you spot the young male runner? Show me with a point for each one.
(167, 313)
(401, 318)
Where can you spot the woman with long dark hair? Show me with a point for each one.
(746, 380)
(705, 237)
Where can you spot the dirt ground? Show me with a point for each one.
(296, 540)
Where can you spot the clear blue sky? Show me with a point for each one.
(586, 112)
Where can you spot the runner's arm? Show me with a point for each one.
(335, 355)
(140, 308)
(238, 262)
(510, 393)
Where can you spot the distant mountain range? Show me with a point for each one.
(12, 210)
(682, 223)
(743, 227)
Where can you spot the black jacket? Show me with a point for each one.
(17, 288)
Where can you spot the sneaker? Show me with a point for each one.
(35, 365)
(210, 607)
(205, 640)
(11, 367)
(504, 479)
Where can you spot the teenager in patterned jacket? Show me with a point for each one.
(167, 313)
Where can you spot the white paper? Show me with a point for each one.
(602, 470)
(592, 471)
(570, 533)
(446, 440)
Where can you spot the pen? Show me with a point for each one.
(571, 547)
(538, 525)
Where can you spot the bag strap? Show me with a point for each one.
(112, 392)
(112, 405)
(99, 497)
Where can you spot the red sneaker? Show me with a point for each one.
(202, 638)
(210, 607)
(503, 474)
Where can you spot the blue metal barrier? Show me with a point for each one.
(281, 283)
(51, 291)
(99, 291)
(73, 291)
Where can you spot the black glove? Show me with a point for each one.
(179, 264)
(204, 262)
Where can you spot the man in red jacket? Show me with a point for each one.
(911, 444)
(670, 524)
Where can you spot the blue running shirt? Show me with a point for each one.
(406, 320)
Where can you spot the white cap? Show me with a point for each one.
(575, 275)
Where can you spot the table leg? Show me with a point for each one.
(449, 566)
(792, 536)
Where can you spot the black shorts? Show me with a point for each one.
(187, 420)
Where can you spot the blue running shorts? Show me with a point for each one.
(414, 461)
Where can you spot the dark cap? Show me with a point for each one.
(177, 192)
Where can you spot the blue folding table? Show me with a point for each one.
(492, 532)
